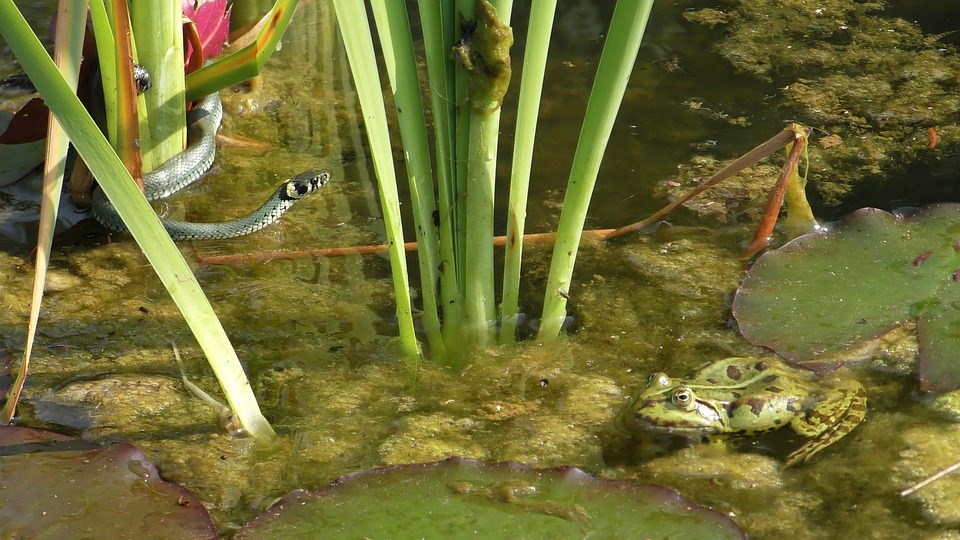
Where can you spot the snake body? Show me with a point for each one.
(188, 166)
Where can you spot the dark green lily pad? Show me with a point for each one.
(458, 497)
(827, 292)
(52, 486)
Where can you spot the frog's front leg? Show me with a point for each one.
(829, 420)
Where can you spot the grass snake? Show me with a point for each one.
(187, 167)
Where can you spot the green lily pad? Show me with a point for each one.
(827, 292)
(458, 498)
(52, 486)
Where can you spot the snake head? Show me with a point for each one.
(303, 184)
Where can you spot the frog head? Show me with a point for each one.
(671, 406)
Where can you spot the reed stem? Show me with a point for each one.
(616, 63)
(539, 30)
(396, 41)
(355, 29)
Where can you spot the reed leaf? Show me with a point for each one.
(355, 29)
(616, 62)
(71, 25)
(539, 29)
(248, 61)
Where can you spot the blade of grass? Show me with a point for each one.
(71, 24)
(616, 62)
(531, 86)
(355, 29)
(143, 223)
(396, 41)
(107, 56)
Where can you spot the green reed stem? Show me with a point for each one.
(464, 10)
(438, 26)
(616, 62)
(396, 41)
(355, 29)
(160, 50)
(531, 86)
(479, 313)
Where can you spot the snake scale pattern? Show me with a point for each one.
(187, 167)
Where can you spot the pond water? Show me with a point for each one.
(318, 335)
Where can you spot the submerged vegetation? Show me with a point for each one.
(466, 82)
(317, 335)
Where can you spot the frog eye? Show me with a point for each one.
(658, 380)
(683, 398)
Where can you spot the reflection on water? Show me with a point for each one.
(316, 335)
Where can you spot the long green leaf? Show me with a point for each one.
(248, 61)
(396, 41)
(531, 86)
(138, 215)
(355, 29)
(616, 62)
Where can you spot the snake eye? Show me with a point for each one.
(683, 398)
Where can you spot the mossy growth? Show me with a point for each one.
(881, 88)
(484, 51)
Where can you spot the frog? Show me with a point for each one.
(745, 396)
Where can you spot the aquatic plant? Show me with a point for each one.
(55, 486)
(163, 121)
(827, 292)
(466, 49)
(487, 500)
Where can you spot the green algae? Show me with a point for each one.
(876, 84)
(484, 51)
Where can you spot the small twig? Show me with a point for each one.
(773, 144)
(197, 391)
(933, 478)
(498, 241)
(750, 158)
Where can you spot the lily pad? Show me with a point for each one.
(52, 486)
(458, 497)
(827, 292)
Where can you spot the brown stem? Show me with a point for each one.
(750, 158)
(772, 210)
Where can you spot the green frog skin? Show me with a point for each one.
(748, 396)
